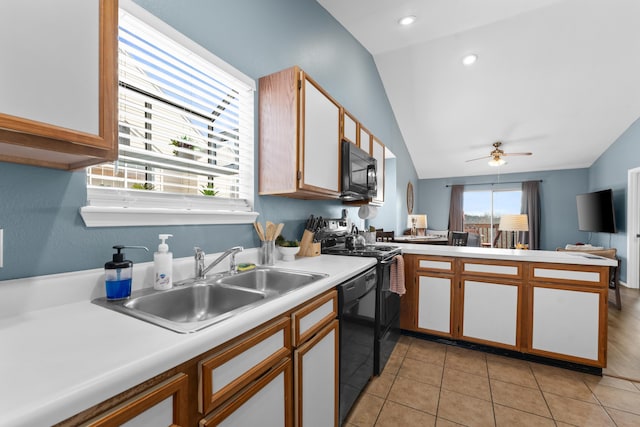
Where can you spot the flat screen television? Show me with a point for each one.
(595, 212)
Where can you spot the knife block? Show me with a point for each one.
(307, 245)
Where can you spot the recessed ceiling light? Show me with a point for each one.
(470, 59)
(407, 20)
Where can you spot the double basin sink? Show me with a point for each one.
(195, 304)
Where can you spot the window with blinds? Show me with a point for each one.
(185, 125)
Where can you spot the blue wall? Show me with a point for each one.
(558, 191)
(610, 171)
(43, 231)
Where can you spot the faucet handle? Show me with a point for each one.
(199, 253)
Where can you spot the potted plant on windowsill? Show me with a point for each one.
(287, 248)
(186, 144)
(209, 190)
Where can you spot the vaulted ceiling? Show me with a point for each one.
(558, 78)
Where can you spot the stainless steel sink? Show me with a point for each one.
(195, 304)
(271, 280)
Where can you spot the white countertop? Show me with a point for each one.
(57, 360)
(558, 257)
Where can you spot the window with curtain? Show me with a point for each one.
(185, 127)
(482, 212)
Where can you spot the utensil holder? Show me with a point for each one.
(268, 252)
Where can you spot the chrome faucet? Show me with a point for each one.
(201, 271)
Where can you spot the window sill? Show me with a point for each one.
(98, 216)
(116, 208)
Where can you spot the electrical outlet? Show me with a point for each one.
(1, 246)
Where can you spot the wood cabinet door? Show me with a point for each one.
(316, 379)
(265, 403)
(58, 82)
(377, 151)
(435, 303)
(349, 127)
(321, 140)
(567, 324)
(163, 405)
(491, 312)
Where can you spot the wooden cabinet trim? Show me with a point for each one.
(603, 272)
(437, 259)
(299, 361)
(452, 303)
(302, 185)
(518, 328)
(83, 148)
(602, 325)
(175, 386)
(208, 399)
(489, 263)
(300, 336)
(284, 367)
(342, 126)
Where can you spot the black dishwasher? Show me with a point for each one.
(357, 312)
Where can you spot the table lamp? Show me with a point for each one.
(514, 223)
(414, 222)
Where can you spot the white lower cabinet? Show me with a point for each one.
(435, 294)
(162, 405)
(263, 403)
(566, 322)
(316, 375)
(316, 366)
(490, 312)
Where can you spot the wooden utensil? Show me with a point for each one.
(279, 228)
(259, 230)
(271, 229)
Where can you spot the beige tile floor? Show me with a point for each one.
(431, 384)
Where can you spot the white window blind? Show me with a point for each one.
(185, 128)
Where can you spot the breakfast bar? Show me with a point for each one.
(543, 304)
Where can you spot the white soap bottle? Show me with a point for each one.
(163, 265)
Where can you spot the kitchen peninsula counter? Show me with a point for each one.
(62, 354)
(537, 304)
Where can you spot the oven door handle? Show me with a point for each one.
(389, 261)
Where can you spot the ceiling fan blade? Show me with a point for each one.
(517, 154)
(479, 158)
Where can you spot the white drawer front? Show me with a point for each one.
(584, 276)
(316, 316)
(238, 365)
(160, 414)
(510, 270)
(439, 265)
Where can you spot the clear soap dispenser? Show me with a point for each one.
(163, 265)
(118, 273)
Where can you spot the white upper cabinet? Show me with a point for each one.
(58, 82)
(321, 139)
(377, 151)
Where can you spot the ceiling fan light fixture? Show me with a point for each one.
(407, 20)
(497, 161)
(469, 59)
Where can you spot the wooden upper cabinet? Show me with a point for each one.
(58, 82)
(349, 127)
(364, 138)
(377, 151)
(299, 137)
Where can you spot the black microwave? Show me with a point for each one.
(358, 173)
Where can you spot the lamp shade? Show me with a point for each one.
(420, 221)
(514, 222)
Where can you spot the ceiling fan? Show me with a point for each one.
(497, 155)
